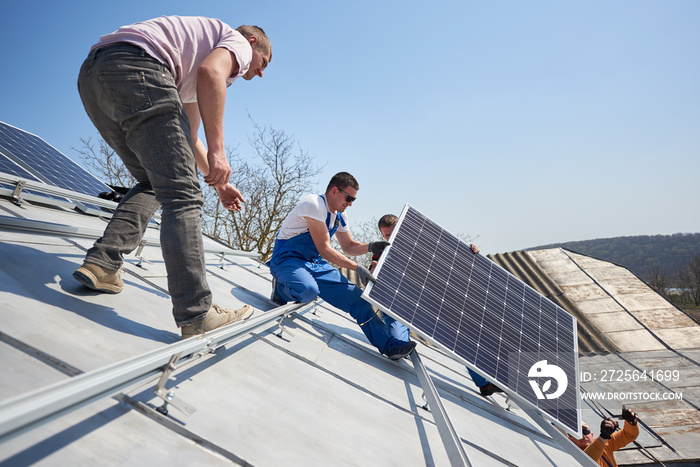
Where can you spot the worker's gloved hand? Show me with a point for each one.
(628, 416)
(607, 428)
(364, 275)
(376, 248)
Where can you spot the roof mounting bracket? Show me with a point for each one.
(425, 399)
(283, 328)
(80, 207)
(17, 193)
(286, 315)
(138, 253)
(168, 396)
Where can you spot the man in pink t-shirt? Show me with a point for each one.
(147, 87)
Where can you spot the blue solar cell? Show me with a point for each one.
(35, 156)
(9, 167)
(470, 306)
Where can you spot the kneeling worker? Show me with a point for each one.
(300, 269)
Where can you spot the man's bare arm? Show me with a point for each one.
(200, 151)
(229, 195)
(211, 96)
(319, 234)
(351, 246)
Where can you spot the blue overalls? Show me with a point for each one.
(302, 275)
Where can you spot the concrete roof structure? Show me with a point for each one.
(317, 395)
(665, 398)
(620, 306)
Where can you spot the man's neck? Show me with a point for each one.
(330, 208)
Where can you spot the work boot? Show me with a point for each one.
(99, 278)
(215, 318)
(488, 389)
(275, 297)
(400, 350)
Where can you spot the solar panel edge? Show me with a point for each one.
(382, 258)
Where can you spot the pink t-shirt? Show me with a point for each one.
(182, 43)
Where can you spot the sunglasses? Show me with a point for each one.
(348, 198)
(585, 431)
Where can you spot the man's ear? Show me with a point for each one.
(252, 40)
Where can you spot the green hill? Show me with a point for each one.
(640, 254)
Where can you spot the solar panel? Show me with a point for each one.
(9, 167)
(26, 155)
(491, 321)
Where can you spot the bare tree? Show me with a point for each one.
(466, 238)
(271, 186)
(104, 163)
(689, 278)
(368, 231)
(657, 280)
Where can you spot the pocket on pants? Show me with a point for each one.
(127, 91)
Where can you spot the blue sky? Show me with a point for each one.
(521, 123)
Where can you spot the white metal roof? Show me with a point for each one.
(317, 395)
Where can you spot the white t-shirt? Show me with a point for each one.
(313, 206)
(182, 43)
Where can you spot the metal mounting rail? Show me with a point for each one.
(44, 228)
(56, 191)
(18, 195)
(53, 195)
(50, 228)
(28, 411)
(450, 439)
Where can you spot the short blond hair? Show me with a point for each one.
(263, 44)
(388, 220)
